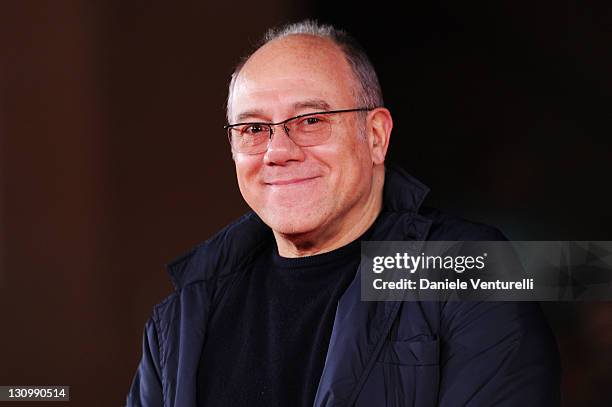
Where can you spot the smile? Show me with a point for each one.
(292, 181)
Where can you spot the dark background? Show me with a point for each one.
(113, 160)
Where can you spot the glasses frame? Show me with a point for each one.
(228, 127)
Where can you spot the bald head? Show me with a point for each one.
(295, 62)
(365, 86)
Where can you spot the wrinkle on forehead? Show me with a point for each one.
(312, 104)
(286, 96)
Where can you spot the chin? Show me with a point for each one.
(292, 223)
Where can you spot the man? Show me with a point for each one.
(268, 312)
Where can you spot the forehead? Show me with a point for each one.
(290, 71)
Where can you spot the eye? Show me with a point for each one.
(252, 129)
(311, 124)
(313, 120)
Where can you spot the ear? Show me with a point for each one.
(379, 126)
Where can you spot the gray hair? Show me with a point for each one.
(368, 92)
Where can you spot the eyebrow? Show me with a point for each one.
(316, 104)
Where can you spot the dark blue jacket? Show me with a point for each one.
(380, 353)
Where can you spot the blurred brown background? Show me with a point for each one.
(113, 161)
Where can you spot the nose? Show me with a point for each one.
(281, 149)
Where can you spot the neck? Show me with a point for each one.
(331, 237)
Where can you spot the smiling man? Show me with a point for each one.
(268, 312)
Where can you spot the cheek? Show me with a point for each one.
(247, 169)
(357, 167)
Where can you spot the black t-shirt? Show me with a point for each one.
(266, 342)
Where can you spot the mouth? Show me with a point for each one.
(291, 181)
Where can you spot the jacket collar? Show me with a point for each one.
(236, 244)
(402, 192)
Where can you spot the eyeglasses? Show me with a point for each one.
(305, 130)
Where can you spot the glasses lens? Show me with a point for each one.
(310, 130)
(249, 138)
